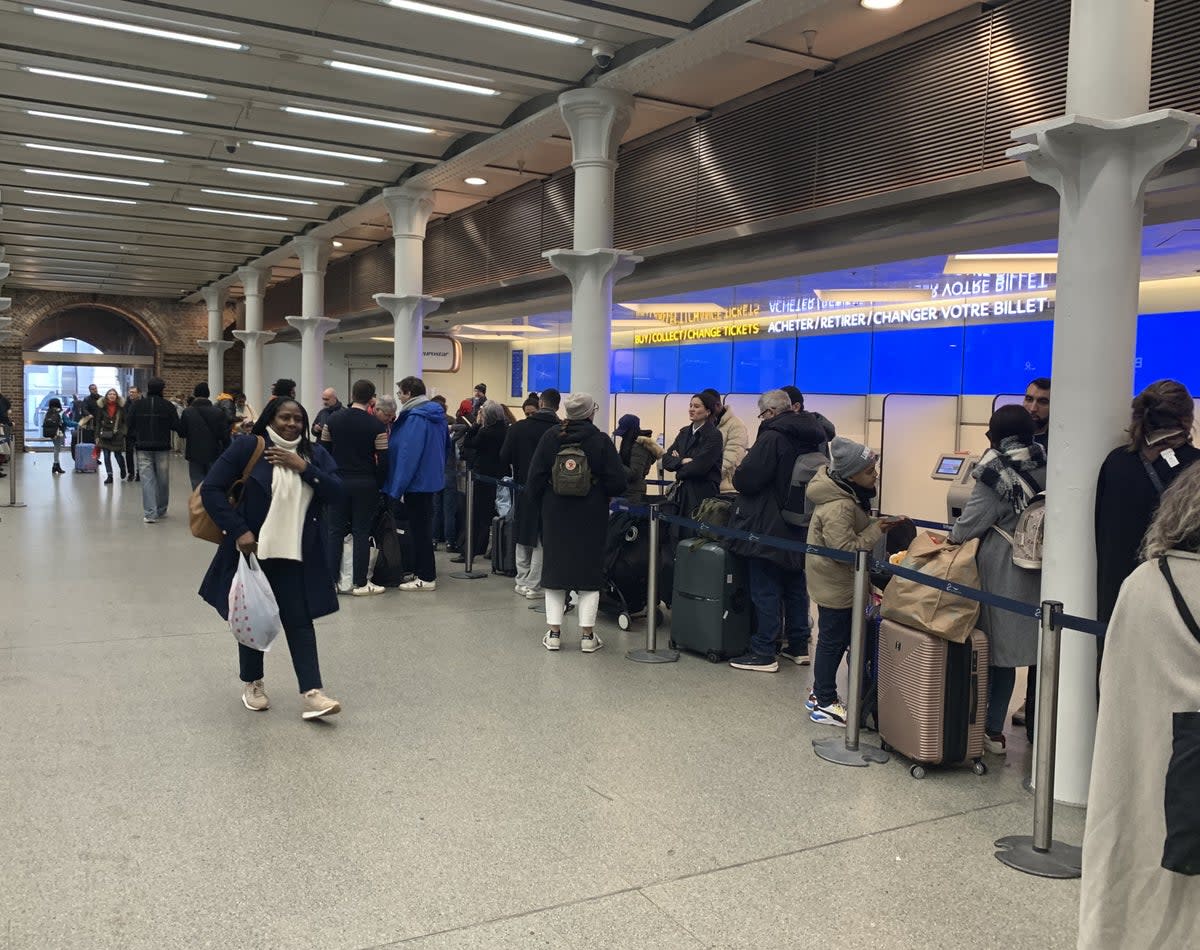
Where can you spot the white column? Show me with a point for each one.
(214, 300)
(1099, 158)
(5, 302)
(312, 323)
(254, 282)
(410, 209)
(596, 118)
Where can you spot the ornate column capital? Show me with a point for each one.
(318, 326)
(254, 279)
(409, 208)
(253, 338)
(214, 297)
(597, 119)
(313, 253)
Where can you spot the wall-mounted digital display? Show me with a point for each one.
(949, 467)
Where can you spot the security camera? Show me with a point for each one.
(603, 54)
(231, 146)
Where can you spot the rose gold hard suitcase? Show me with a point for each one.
(932, 697)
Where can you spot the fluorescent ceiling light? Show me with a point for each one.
(108, 122)
(65, 194)
(358, 120)
(414, 78)
(123, 83)
(475, 180)
(875, 295)
(1005, 263)
(879, 4)
(135, 28)
(241, 214)
(93, 152)
(82, 177)
(283, 177)
(504, 328)
(383, 339)
(485, 338)
(246, 194)
(491, 23)
(652, 308)
(350, 156)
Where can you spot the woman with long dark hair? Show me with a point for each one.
(695, 456)
(278, 518)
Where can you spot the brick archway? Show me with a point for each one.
(79, 320)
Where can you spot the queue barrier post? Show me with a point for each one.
(12, 471)
(848, 750)
(466, 574)
(651, 654)
(1039, 854)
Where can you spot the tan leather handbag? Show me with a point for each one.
(201, 523)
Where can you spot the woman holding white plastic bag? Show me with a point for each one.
(278, 519)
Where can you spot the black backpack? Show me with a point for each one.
(52, 424)
(796, 508)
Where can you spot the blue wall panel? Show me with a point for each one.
(839, 363)
(759, 365)
(656, 369)
(1166, 349)
(917, 361)
(704, 366)
(620, 375)
(543, 371)
(1004, 357)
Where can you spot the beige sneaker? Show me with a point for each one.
(369, 590)
(317, 704)
(253, 696)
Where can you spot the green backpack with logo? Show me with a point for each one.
(571, 473)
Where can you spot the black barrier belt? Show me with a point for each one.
(1094, 628)
(770, 540)
(935, 525)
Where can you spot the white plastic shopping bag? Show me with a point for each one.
(253, 612)
(346, 574)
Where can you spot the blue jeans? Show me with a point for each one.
(1001, 680)
(833, 640)
(445, 514)
(155, 471)
(778, 594)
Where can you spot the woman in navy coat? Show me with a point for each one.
(279, 520)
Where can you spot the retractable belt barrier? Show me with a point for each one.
(9, 443)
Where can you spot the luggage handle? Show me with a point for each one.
(974, 688)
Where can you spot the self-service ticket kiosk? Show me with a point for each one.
(956, 468)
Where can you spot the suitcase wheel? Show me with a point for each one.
(917, 771)
(624, 621)
(979, 767)
(713, 656)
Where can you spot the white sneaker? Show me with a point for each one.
(520, 589)
(590, 644)
(368, 590)
(552, 640)
(419, 584)
(317, 704)
(532, 593)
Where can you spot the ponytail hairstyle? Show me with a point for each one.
(263, 424)
(1163, 405)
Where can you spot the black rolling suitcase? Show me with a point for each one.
(504, 547)
(710, 601)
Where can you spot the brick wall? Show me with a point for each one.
(172, 327)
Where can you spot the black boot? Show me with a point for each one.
(108, 480)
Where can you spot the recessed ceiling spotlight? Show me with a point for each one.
(475, 180)
(414, 78)
(879, 4)
(240, 214)
(359, 120)
(96, 154)
(108, 122)
(280, 175)
(491, 23)
(257, 197)
(338, 244)
(67, 194)
(135, 28)
(350, 156)
(123, 83)
(82, 177)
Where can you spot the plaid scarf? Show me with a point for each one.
(1001, 470)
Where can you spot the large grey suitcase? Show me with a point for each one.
(710, 601)
(932, 696)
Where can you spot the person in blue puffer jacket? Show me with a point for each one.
(417, 450)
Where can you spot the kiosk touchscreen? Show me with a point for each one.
(949, 467)
(957, 470)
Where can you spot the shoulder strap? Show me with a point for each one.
(259, 448)
(1154, 479)
(1180, 604)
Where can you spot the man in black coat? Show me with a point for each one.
(329, 405)
(777, 582)
(206, 431)
(151, 421)
(520, 442)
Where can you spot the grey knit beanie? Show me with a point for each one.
(847, 458)
(579, 406)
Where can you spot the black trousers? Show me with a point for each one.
(353, 515)
(197, 471)
(130, 448)
(481, 521)
(287, 582)
(120, 454)
(419, 507)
